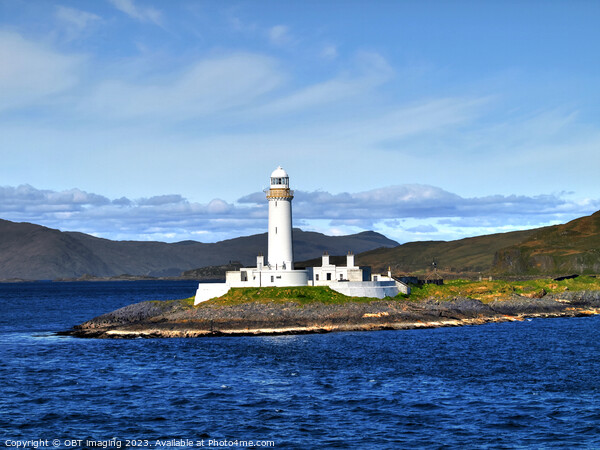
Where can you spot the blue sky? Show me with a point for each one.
(132, 119)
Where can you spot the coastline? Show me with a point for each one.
(178, 318)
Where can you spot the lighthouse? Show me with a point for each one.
(279, 270)
(279, 196)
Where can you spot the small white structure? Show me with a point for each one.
(280, 268)
(279, 271)
(328, 273)
(355, 281)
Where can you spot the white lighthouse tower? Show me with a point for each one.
(279, 271)
(279, 195)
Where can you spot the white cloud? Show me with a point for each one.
(422, 229)
(370, 71)
(357, 116)
(241, 26)
(329, 51)
(31, 71)
(364, 134)
(75, 19)
(208, 86)
(433, 203)
(325, 93)
(26, 199)
(143, 14)
(401, 212)
(279, 35)
(170, 217)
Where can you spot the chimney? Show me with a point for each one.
(325, 259)
(260, 262)
(350, 260)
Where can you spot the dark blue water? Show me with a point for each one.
(533, 384)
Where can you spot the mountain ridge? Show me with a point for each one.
(34, 252)
(30, 251)
(568, 248)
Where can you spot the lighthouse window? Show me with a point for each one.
(329, 276)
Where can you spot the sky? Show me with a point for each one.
(421, 120)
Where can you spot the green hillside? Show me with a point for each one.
(474, 254)
(570, 248)
(573, 247)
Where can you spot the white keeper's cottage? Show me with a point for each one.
(279, 269)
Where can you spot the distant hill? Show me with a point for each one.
(475, 254)
(34, 252)
(570, 248)
(560, 249)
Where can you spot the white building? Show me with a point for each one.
(354, 281)
(279, 271)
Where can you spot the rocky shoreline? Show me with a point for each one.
(178, 318)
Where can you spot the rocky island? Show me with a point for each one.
(273, 311)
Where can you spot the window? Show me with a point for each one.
(275, 230)
(329, 276)
(272, 278)
(317, 277)
(341, 276)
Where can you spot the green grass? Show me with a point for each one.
(499, 289)
(485, 291)
(188, 301)
(302, 295)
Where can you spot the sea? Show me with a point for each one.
(530, 384)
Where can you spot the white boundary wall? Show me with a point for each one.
(374, 289)
(206, 291)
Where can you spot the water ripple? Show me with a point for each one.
(514, 385)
